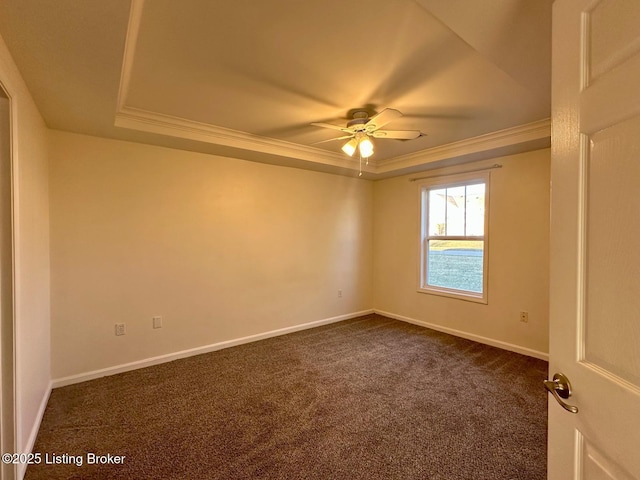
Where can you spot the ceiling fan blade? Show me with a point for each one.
(333, 127)
(381, 119)
(332, 139)
(397, 134)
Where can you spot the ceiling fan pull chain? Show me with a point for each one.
(360, 173)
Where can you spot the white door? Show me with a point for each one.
(595, 239)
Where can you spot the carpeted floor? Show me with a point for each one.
(368, 398)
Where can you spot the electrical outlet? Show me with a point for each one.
(524, 317)
(120, 329)
(157, 322)
(339, 293)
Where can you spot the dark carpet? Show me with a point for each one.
(368, 398)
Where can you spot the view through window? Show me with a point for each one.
(454, 238)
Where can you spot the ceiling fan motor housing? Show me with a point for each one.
(359, 121)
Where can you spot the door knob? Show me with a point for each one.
(560, 388)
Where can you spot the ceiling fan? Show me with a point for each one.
(361, 128)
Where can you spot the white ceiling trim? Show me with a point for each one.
(508, 137)
(152, 122)
(131, 41)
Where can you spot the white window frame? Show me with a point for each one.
(450, 181)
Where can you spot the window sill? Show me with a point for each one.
(457, 294)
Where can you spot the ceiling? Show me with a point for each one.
(246, 78)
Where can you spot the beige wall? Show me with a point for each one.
(518, 255)
(31, 224)
(223, 249)
(220, 248)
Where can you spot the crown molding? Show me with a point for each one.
(158, 123)
(491, 141)
(152, 122)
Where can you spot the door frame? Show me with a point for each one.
(9, 433)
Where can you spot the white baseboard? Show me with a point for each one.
(469, 336)
(147, 362)
(83, 377)
(22, 467)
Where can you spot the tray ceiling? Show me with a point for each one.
(246, 79)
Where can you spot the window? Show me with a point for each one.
(453, 241)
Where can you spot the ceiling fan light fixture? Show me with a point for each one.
(366, 147)
(361, 130)
(350, 147)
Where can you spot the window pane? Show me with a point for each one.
(437, 199)
(455, 210)
(475, 209)
(455, 264)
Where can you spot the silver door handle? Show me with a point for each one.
(560, 388)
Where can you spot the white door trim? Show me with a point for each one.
(11, 470)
